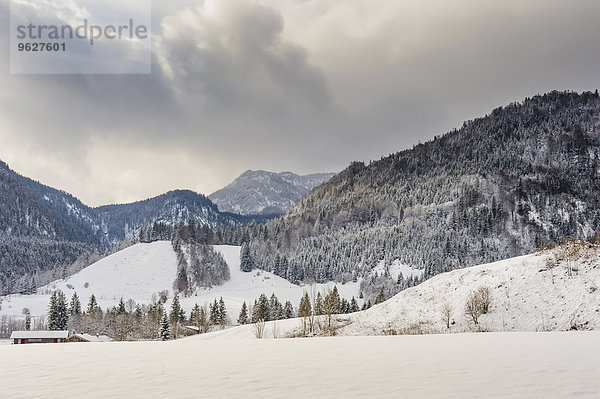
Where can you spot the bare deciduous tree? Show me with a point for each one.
(259, 329)
(485, 298)
(478, 303)
(447, 314)
(473, 307)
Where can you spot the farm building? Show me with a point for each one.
(38, 337)
(191, 330)
(88, 338)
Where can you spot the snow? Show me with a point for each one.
(93, 338)
(247, 287)
(395, 269)
(39, 334)
(494, 365)
(141, 271)
(526, 296)
(137, 272)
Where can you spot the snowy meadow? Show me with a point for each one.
(493, 365)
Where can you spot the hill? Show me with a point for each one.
(266, 193)
(43, 230)
(553, 290)
(143, 271)
(499, 187)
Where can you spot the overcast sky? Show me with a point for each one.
(300, 85)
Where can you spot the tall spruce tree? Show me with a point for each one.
(57, 313)
(288, 310)
(75, 305)
(243, 317)
(27, 320)
(121, 307)
(222, 312)
(246, 261)
(92, 304)
(195, 316)
(164, 328)
(175, 316)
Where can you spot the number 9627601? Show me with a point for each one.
(39, 47)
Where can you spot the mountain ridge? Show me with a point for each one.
(266, 193)
(44, 229)
(500, 186)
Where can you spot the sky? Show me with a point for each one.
(300, 85)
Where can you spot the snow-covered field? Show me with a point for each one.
(494, 365)
(141, 271)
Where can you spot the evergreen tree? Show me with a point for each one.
(345, 306)
(222, 312)
(275, 308)
(175, 316)
(305, 311)
(288, 310)
(214, 313)
(354, 304)
(121, 307)
(261, 309)
(181, 281)
(139, 313)
(246, 261)
(165, 333)
(57, 312)
(305, 308)
(92, 304)
(75, 305)
(195, 316)
(243, 317)
(319, 305)
(380, 297)
(27, 320)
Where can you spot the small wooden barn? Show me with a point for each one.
(88, 338)
(38, 337)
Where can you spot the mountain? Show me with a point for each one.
(179, 206)
(265, 193)
(499, 187)
(44, 230)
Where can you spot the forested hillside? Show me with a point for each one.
(44, 231)
(500, 186)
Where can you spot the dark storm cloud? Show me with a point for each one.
(302, 85)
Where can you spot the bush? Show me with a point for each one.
(478, 303)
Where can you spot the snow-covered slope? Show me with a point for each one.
(142, 271)
(248, 286)
(261, 192)
(527, 295)
(137, 273)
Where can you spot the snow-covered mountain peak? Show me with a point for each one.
(262, 192)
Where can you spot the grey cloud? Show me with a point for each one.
(301, 85)
(233, 58)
